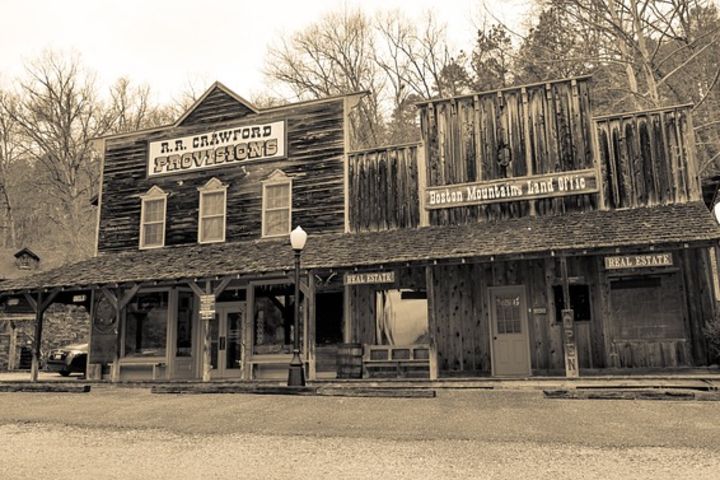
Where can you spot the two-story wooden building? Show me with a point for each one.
(522, 236)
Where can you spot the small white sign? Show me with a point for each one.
(216, 148)
(369, 278)
(649, 260)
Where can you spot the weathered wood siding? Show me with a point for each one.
(383, 188)
(648, 158)
(315, 150)
(217, 106)
(546, 127)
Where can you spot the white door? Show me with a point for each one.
(508, 327)
(226, 347)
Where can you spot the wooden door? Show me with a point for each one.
(509, 331)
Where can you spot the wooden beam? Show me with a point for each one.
(222, 286)
(38, 338)
(310, 328)
(128, 295)
(31, 301)
(568, 317)
(47, 301)
(207, 365)
(110, 295)
(195, 288)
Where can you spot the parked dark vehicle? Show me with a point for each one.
(68, 359)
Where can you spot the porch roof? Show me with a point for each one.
(662, 226)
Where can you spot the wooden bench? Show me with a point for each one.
(156, 366)
(396, 361)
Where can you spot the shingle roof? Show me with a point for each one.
(672, 224)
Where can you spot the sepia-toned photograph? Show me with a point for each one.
(360, 239)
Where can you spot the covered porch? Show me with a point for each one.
(148, 321)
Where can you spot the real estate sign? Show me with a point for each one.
(647, 260)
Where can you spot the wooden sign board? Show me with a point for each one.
(571, 360)
(369, 278)
(648, 260)
(207, 306)
(216, 148)
(560, 184)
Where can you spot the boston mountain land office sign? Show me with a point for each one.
(216, 148)
(560, 184)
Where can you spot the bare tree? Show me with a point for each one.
(11, 150)
(58, 114)
(332, 57)
(131, 108)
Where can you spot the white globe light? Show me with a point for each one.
(716, 212)
(298, 238)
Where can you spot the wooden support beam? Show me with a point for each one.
(38, 338)
(310, 329)
(195, 288)
(207, 365)
(128, 295)
(568, 318)
(220, 287)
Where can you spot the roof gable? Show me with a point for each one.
(28, 252)
(217, 104)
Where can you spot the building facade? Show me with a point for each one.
(522, 236)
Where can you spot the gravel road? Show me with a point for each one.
(32, 451)
(131, 433)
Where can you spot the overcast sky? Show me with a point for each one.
(166, 43)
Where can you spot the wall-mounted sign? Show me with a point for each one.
(207, 307)
(648, 260)
(571, 361)
(369, 278)
(216, 148)
(576, 182)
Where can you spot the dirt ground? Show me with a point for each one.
(130, 433)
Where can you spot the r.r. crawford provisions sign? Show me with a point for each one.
(216, 148)
(560, 184)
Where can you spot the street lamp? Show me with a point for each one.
(296, 375)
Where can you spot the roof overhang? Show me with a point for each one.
(591, 233)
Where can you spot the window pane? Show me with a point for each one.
(146, 325)
(184, 324)
(278, 196)
(277, 222)
(212, 229)
(153, 234)
(213, 203)
(154, 210)
(273, 319)
(401, 317)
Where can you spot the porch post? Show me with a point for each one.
(39, 311)
(207, 366)
(568, 319)
(310, 327)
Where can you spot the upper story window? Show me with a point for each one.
(152, 218)
(213, 200)
(276, 204)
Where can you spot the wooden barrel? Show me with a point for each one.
(349, 360)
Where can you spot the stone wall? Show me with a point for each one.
(62, 325)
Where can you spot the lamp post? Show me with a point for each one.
(296, 375)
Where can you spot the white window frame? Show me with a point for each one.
(214, 185)
(154, 194)
(278, 177)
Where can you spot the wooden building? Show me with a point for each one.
(522, 236)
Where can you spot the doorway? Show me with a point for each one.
(509, 331)
(226, 345)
